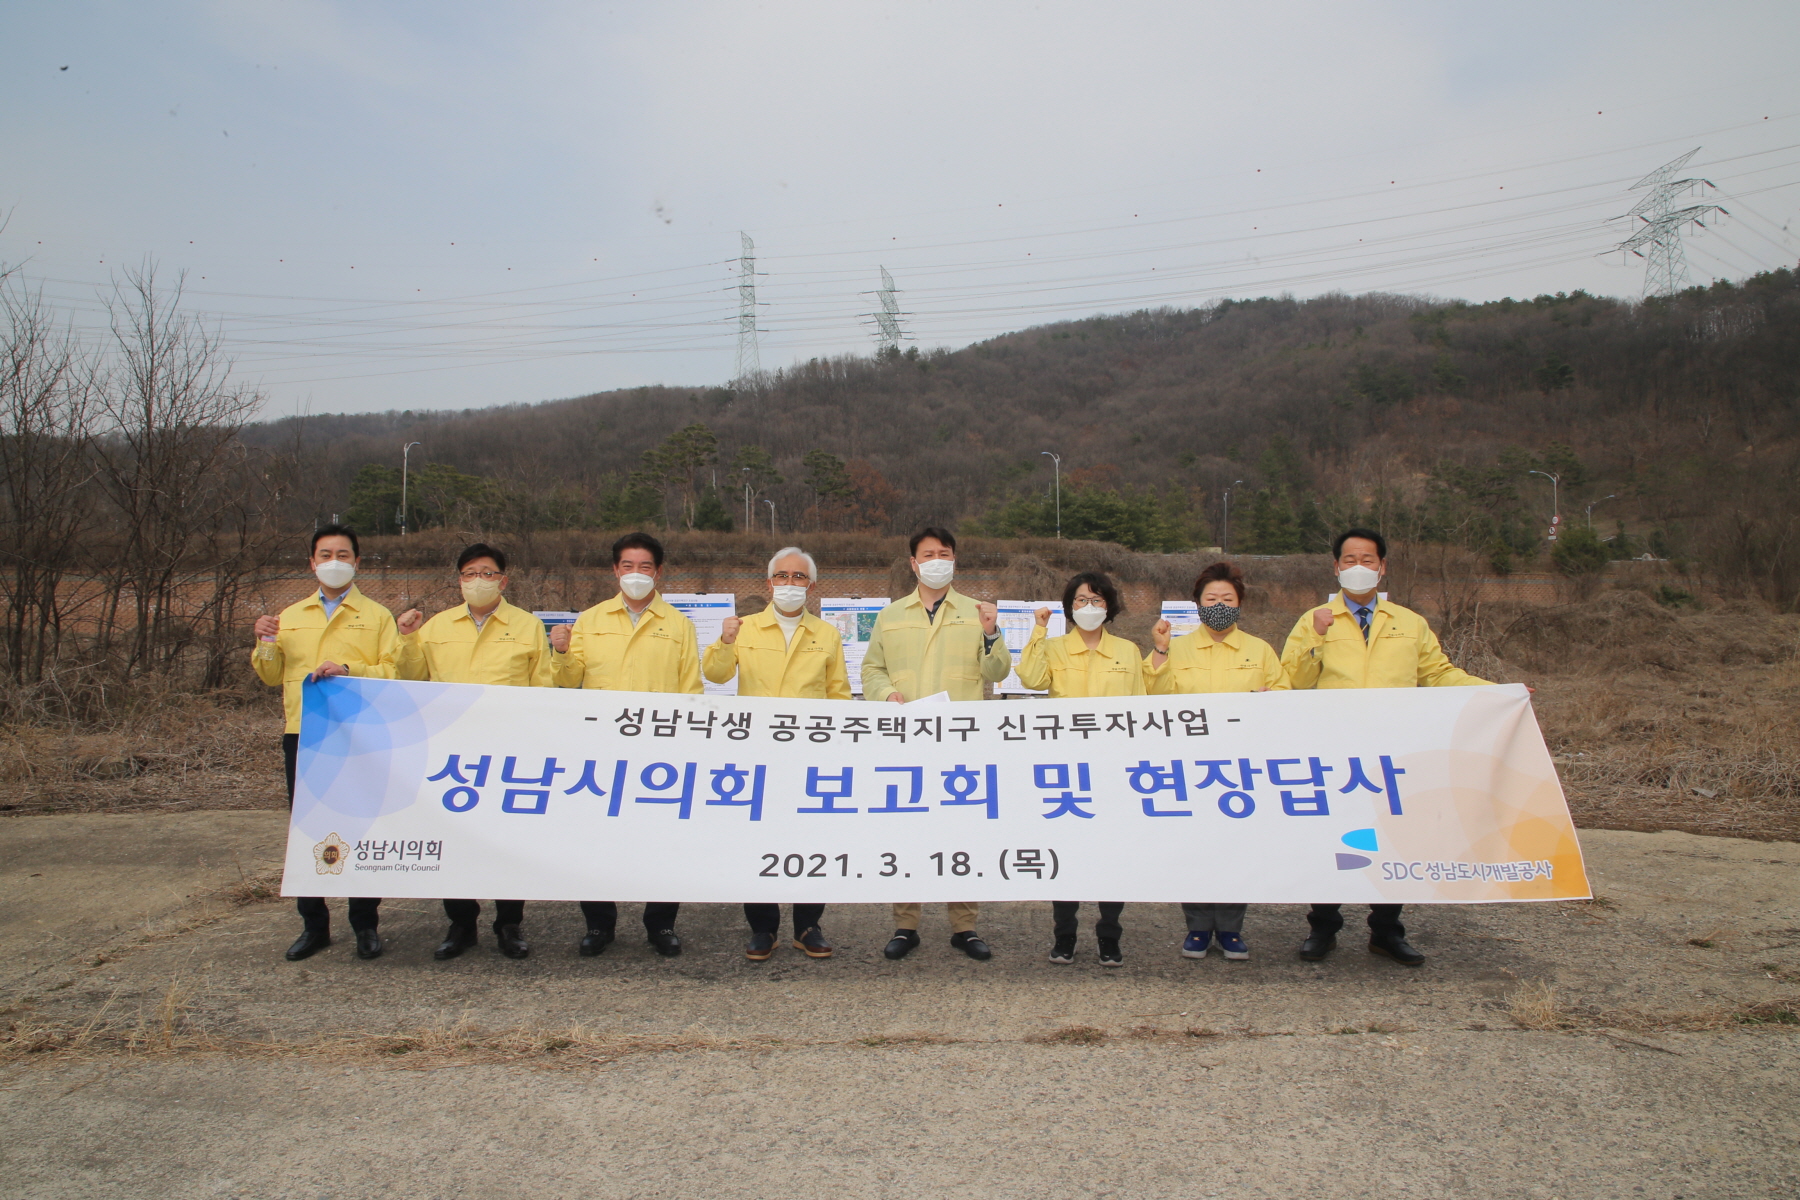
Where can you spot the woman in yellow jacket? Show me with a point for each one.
(1217, 657)
(1087, 661)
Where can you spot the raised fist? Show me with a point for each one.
(559, 638)
(1159, 636)
(728, 629)
(268, 627)
(410, 620)
(1322, 620)
(990, 617)
(1043, 618)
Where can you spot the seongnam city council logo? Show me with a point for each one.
(330, 855)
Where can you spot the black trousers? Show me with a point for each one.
(467, 912)
(365, 911)
(1384, 919)
(1107, 926)
(604, 914)
(766, 918)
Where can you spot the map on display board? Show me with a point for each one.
(1017, 619)
(854, 619)
(707, 610)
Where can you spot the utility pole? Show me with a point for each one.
(1590, 507)
(1056, 464)
(749, 359)
(1665, 269)
(771, 505)
(1226, 548)
(405, 451)
(1555, 500)
(887, 320)
(746, 497)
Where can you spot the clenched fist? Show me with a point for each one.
(990, 617)
(559, 638)
(1322, 619)
(268, 627)
(329, 670)
(1159, 636)
(410, 620)
(1043, 618)
(728, 629)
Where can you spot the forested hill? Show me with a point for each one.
(1425, 415)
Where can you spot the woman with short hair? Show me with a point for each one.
(1217, 657)
(1085, 662)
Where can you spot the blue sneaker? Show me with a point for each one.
(1233, 945)
(1196, 944)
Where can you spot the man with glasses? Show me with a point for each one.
(783, 650)
(484, 639)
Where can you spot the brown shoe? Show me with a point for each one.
(813, 942)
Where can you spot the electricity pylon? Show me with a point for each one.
(1666, 270)
(888, 318)
(749, 361)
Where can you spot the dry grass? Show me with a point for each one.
(1534, 1006)
(1069, 1035)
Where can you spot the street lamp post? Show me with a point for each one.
(1590, 507)
(1555, 499)
(1226, 548)
(771, 505)
(1056, 466)
(405, 452)
(747, 498)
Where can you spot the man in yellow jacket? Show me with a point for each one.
(783, 650)
(1361, 640)
(482, 640)
(935, 640)
(635, 642)
(335, 631)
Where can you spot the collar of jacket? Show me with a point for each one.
(349, 599)
(1105, 649)
(1233, 639)
(1384, 611)
(767, 618)
(662, 608)
(502, 612)
(953, 600)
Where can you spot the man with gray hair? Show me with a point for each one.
(784, 650)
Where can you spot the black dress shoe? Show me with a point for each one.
(761, 946)
(595, 941)
(902, 944)
(972, 945)
(511, 942)
(458, 939)
(1318, 946)
(1396, 948)
(309, 943)
(665, 943)
(368, 944)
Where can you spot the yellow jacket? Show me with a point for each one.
(1240, 662)
(1401, 652)
(510, 648)
(661, 653)
(919, 656)
(360, 636)
(767, 664)
(1071, 671)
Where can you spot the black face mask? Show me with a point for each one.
(1219, 616)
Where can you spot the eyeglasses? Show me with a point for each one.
(472, 576)
(798, 580)
(1090, 602)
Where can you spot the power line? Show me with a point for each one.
(1666, 269)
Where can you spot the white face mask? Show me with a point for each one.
(636, 586)
(480, 593)
(1090, 618)
(789, 600)
(1359, 579)
(937, 572)
(335, 572)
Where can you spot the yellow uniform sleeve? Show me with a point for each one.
(837, 675)
(876, 684)
(690, 664)
(266, 660)
(1158, 681)
(1435, 667)
(721, 662)
(387, 652)
(1300, 662)
(410, 662)
(1139, 686)
(569, 669)
(996, 660)
(1274, 674)
(1034, 661)
(543, 668)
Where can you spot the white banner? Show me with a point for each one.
(1406, 795)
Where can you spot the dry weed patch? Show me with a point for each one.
(1069, 1035)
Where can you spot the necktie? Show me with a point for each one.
(1362, 618)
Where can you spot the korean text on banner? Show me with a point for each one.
(1409, 795)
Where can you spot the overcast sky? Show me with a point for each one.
(452, 205)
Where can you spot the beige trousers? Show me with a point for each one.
(962, 916)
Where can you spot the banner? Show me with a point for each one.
(1426, 795)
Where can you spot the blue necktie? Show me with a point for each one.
(1362, 618)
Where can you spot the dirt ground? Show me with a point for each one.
(155, 1043)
